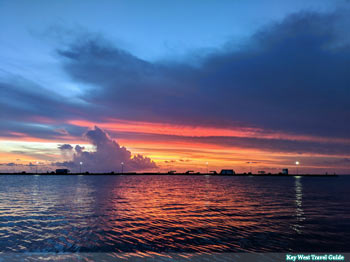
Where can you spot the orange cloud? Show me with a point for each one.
(198, 131)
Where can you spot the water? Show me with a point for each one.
(171, 214)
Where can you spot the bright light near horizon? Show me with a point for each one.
(297, 163)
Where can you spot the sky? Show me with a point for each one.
(175, 85)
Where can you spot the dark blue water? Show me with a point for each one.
(160, 214)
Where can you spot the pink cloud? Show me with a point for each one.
(108, 155)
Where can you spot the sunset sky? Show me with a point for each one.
(175, 85)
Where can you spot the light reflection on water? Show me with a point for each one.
(149, 215)
(299, 204)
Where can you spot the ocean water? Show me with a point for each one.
(153, 215)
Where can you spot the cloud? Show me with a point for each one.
(277, 144)
(8, 164)
(291, 76)
(108, 155)
(66, 150)
(79, 149)
(66, 164)
(65, 147)
(27, 108)
(22, 98)
(342, 162)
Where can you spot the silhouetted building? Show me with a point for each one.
(285, 171)
(189, 172)
(62, 171)
(261, 172)
(227, 172)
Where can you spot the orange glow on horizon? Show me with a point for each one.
(197, 131)
(175, 152)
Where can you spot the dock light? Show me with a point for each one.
(80, 164)
(122, 163)
(37, 163)
(207, 163)
(297, 163)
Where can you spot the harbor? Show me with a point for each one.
(171, 174)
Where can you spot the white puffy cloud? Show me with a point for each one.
(108, 155)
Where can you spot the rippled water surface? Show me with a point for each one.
(159, 214)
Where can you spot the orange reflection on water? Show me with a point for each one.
(190, 213)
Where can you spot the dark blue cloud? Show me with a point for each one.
(26, 108)
(65, 147)
(291, 76)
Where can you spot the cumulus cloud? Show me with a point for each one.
(108, 155)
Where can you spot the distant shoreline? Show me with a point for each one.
(167, 174)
